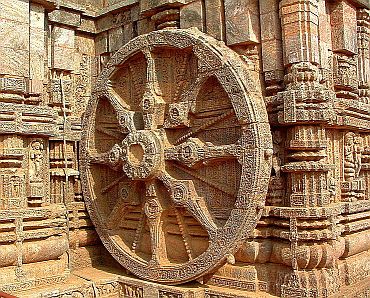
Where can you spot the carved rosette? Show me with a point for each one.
(175, 156)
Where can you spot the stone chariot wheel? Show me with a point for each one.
(175, 155)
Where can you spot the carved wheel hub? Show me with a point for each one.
(142, 155)
(175, 155)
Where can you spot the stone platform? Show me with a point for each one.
(108, 282)
(111, 283)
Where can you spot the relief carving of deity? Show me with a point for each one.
(36, 161)
(353, 148)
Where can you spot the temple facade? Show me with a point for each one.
(184, 148)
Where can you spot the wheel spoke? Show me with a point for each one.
(126, 120)
(152, 103)
(190, 93)
(110, 158)
(109, 132)
(194, 152)
(153, 211)
(127, 201)
(138, 232)
(184, 233)
(216, 185)
(178, 112)
(206, 125)
(124, 115)
(183, 193)
(177, 115)
(112, 184)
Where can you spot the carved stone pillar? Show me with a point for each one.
(299, 21)
(306, 101)
(169, 18)
(308, 184)
(344, 32)
(306, 106)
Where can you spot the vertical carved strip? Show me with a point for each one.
(363, 42)
(37, 51)
(38, 175)
(18, 222)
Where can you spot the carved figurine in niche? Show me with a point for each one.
(357, 153)
(276, 187)
(349, 162)
(353, 187)
(36, 161)
(16, 184)
(332, 186)
(353, 148)
(276, 160)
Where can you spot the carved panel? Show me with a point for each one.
(37, 172)
(353, 186)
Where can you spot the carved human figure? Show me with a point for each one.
(15, 183)
(349, 161)
(276, 160)
(36, 158)
(332, 186)
(357, 154)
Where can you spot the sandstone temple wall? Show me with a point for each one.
(311, 62)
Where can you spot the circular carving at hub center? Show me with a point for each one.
(142, 155)
(136, 154)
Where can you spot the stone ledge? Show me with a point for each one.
(107, 282)
(47, 4)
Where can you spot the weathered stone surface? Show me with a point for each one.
(14, 62)
(141, 154)
(101, 43)
(299, 21)
(88, 25)
(38, 52)
(14, 10)
(128, 33)
(245, 166)
(145, 26)
(146, 6)
(68, 18)
(115, 39)
(14, 34)
(63, 47)
(214, 11)
(242, 22)
(271, 42)
(191, 15)
(343, 21)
